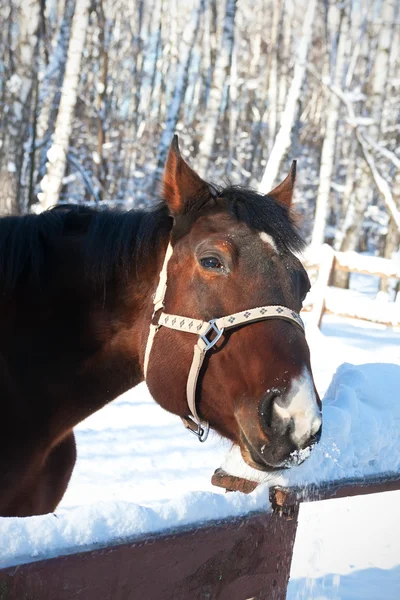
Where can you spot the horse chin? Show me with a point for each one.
(250, 458)
(254, 460)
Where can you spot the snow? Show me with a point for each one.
(347, 549)
(140, 471)
(34, 538)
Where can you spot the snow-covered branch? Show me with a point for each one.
(381, 184)
(354, 122)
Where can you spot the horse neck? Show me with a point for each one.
(122, 324)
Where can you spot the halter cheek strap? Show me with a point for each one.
(208, 333)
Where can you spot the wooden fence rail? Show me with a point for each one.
(324, 298)
(245, 558)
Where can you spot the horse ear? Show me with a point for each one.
(283, 193)
(181, 185)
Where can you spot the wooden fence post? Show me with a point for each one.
(327, 259)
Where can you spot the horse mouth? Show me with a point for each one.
(254, 459)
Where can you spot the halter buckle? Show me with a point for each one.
(201, 432)
(212, 328)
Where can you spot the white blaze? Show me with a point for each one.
(301, 407)
(268, 239)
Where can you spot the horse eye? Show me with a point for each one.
(211, 262)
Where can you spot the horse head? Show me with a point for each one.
(232, 250)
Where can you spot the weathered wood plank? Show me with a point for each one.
(290, 497)
(327, 259)
(338, 302)
(369, 265)
(249, 557)
(327, 299)
(281, 497)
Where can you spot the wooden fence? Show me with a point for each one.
(245, 558)
(325, 298)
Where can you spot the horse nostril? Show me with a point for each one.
(266, 411)
(273, 413)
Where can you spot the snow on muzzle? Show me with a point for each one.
(298, 412)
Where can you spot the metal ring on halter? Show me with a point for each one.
(218, 333)
(202, 432)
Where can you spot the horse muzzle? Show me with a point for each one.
(285, 429)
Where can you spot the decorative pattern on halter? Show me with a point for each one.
(197, 326)
(208, 332)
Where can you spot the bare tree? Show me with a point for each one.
(57, 154)
(363, 192)
(22, 39)
(340, 20)
(188, 41)
(220, 79)
(282, 141)
(244, 83)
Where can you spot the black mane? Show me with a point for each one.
(110, 238)
(123, 238)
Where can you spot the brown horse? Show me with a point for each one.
(75, 308)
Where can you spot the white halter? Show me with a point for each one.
(208, 333)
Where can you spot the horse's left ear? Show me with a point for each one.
(181, 185)
(283, 193)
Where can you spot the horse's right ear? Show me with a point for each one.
(181, 185)
(283, 193)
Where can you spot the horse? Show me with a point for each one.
(82, 318)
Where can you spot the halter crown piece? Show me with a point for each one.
(208, 333)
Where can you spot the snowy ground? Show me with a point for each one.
(349, 549)
(139, 470)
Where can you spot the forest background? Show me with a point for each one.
(92, 91)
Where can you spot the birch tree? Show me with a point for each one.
(282, 141)
(22, 28)
(49, 95)
(57, 154)
(340, 19)
(220, 79)
(379, 75)
(273, 74)
(188, 41)
(254, 79)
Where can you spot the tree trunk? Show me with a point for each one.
(49, 97)
(101, 101)
(341, 18)
(363, 191)
(341, 278)
(20, 86)
(221, 75)
(188, 40)
(282, 141)
(273, 74)
(392, 243)
(393, 235)
(57, 154)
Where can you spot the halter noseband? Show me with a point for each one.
(208, 332)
